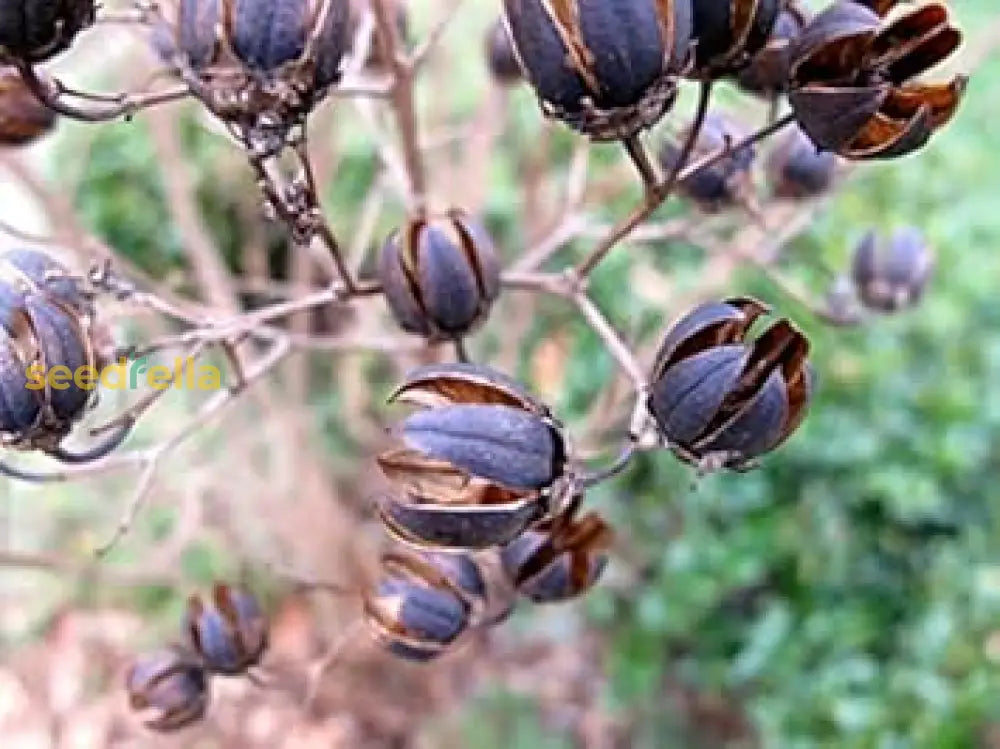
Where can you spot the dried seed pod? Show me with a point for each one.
(558, 559)
(422, 602)
(228, 633)
(892, 275)
(23, 118)
(170, 687)
(721, 400)
(797, 169)
(724, 183)
(728, 32)
(606, 69)
(767, 72)
(441, 275)
(483, 460)
(500, 58)
(260, 65)
(35, 30)
(851, 79)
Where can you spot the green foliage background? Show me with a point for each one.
(845, 594)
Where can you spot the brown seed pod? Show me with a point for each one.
(228, 633)
(767, 72)
(483, 460)
(23, 118)
(422, 602)
(852, 88)
(605, 69)
(728, 32)
(440, 275)
(35, 30)
(169, 687)
(721, 400)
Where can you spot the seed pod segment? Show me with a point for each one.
(721, 400)
(23, 118)
(35, 30)
(440, 275)
(891, 275)
(728, 32)
(797, 169)
(169, 687)
(768, 70)
(423, 602)
(605, 69)
(851, 80)
(229, 632)
(483, 460)
(558, 559)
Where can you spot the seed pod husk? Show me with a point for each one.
(605, 69)
(169, 686)
(768, 70)
(440, 276)
(228, 633)
(23, 118)
(727, 33)
(35, 30)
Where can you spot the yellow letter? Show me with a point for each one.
(86, 377)
(36, 377)
(209, 378)
(120, 370)
(158, 377)
(60, 377)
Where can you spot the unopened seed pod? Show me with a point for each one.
(798, 169)
(440, 275)
(558, 559)
(482, 460)
(767, 72)
(228, 632)
(722, 184)
(606, 69)
(851, 79)
(23, 118)
(720, 399)
(422, 602)
(35, 30)
(892, 275)
(500, 58)
(170, 689)
(727, 33)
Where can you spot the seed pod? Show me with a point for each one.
(797, 169)
(724, 183)
(35, 30)
(728, 32)
(40, 272)
(851, 86)
(483, 460)
(423, 602)
(890, 276)
(500, 58)
(228, 633)
(606, 69)
(23, 118)
(440, 276)
(768, 70)
(559, 558)
(169, 686)
(721, 400)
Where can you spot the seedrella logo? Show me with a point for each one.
(127, 375)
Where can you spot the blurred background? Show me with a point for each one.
(845, 594)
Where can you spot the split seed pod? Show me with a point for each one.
(852, 88)
(559, 558)
(721, 400)
(891, 275)
(440, 275)
(423, 602)
(768, 70)
(35, 30)
(797, 169)
(724, 183)
(169, 687)
(23, 118)
(229, 632)
(482, 460)
(500, 58)
(605, 69)
(728, 32)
